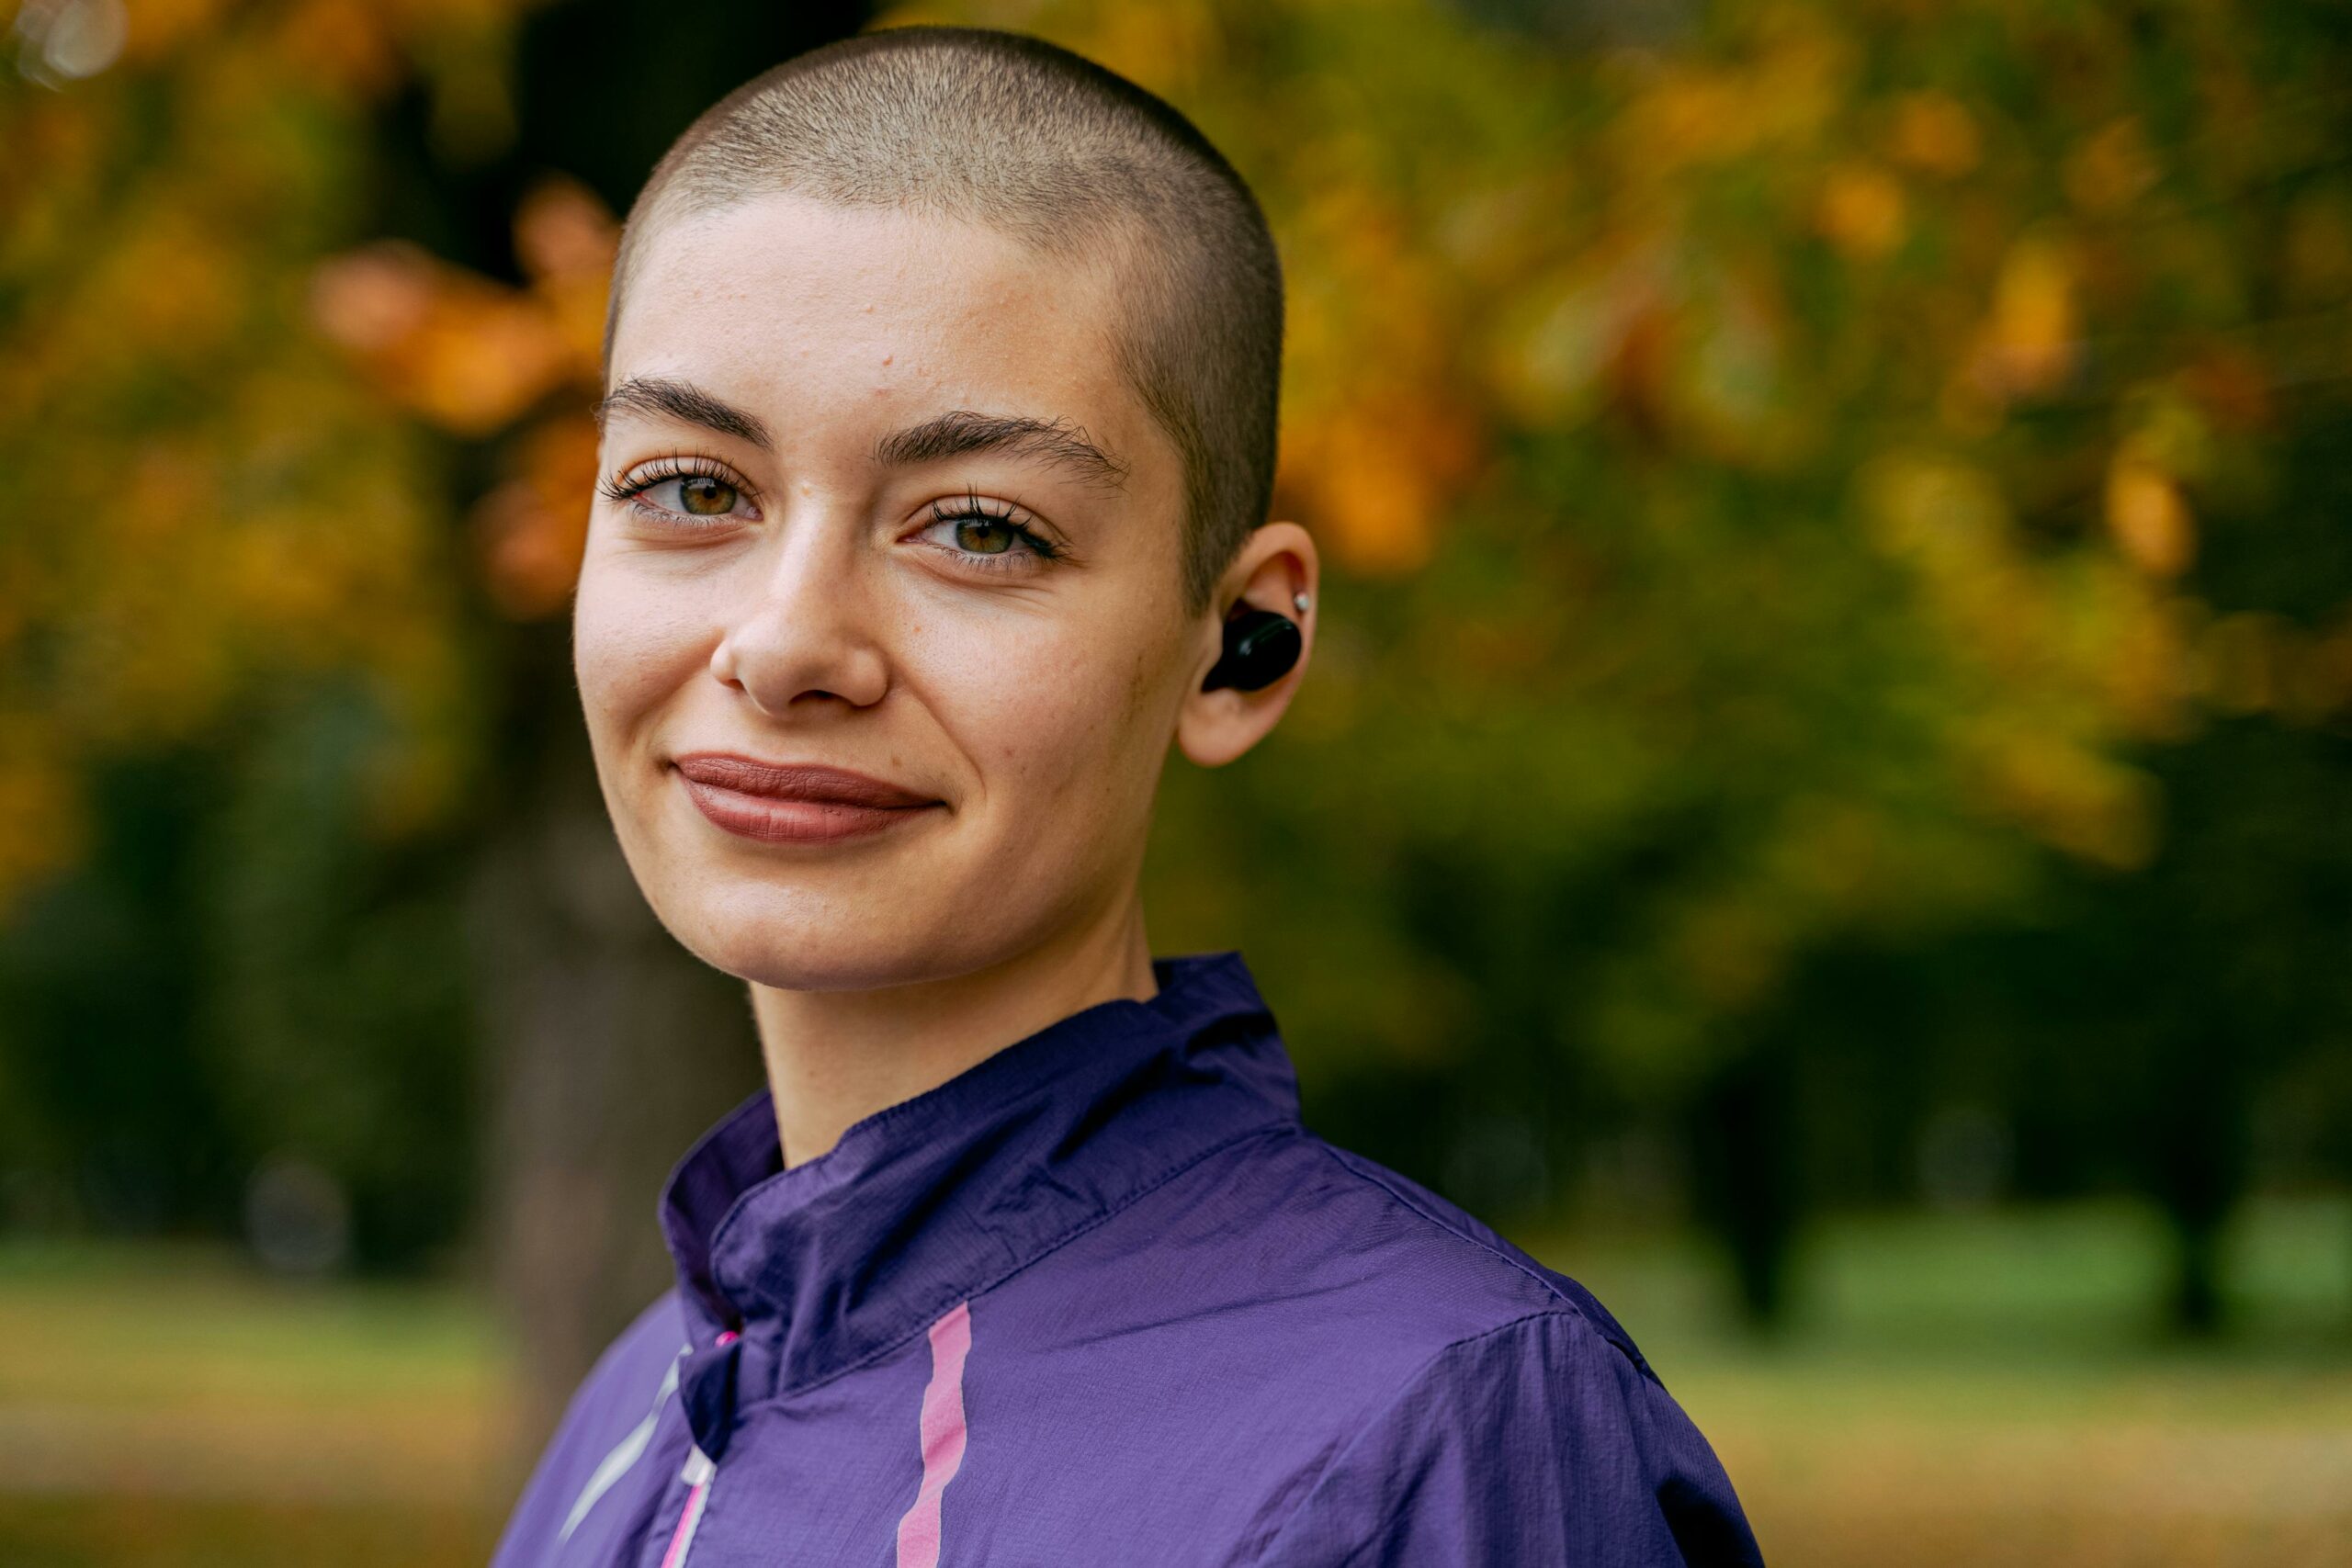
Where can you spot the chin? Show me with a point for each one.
(826, 962)
(795, 940)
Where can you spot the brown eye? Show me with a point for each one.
(984, 537)
(983, 541)
(704, 496)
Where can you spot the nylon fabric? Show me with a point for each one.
(1105, 1298)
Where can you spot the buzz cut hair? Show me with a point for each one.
(1026, 138)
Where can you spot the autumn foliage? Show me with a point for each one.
(1791, 477)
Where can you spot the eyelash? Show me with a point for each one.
(965, 508)
(969, 508)
(693, 466)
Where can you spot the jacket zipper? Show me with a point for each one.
(699, 1468)
(697, 1475)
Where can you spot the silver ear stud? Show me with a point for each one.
(1302, 600)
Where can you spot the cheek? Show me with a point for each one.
(632, 646)
(1056, 718)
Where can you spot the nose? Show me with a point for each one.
(801, 632)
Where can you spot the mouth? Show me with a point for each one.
(795, 802)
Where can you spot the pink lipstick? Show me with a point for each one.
(795, 802)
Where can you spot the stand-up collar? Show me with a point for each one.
(930, 1200)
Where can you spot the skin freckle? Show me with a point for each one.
(1138, 680)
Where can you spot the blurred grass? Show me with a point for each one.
(167, 1405)
(1998, 1388)
(1950, 1390)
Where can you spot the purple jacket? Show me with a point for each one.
(1100, 1299)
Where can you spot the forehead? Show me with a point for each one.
(849, 317)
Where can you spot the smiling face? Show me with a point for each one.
(876, 498)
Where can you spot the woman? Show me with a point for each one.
(937, 443)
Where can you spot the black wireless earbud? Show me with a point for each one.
(1259, 648)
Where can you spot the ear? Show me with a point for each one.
(1276, 564)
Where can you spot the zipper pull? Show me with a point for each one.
(699, 1466)
(697, 1475)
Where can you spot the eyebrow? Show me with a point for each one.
(687, 405)
(962, 430)
(956, 433)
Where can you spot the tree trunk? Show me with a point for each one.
(610, 1049)
(1746, 1179)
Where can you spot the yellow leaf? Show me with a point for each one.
(1932, 131)
(2148, 517)
(1862, 210)
(2031, 340)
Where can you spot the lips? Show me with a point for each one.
(783, 802)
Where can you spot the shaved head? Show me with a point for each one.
(1016, 135)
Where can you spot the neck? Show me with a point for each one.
(835, 1057)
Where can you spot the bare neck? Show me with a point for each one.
(835, 1057)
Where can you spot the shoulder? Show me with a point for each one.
(1425, 1272)
(1503, 1281)
(610, 1414)
(1499, 1412)
(1532, 1441)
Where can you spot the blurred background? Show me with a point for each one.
(1820, 808)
